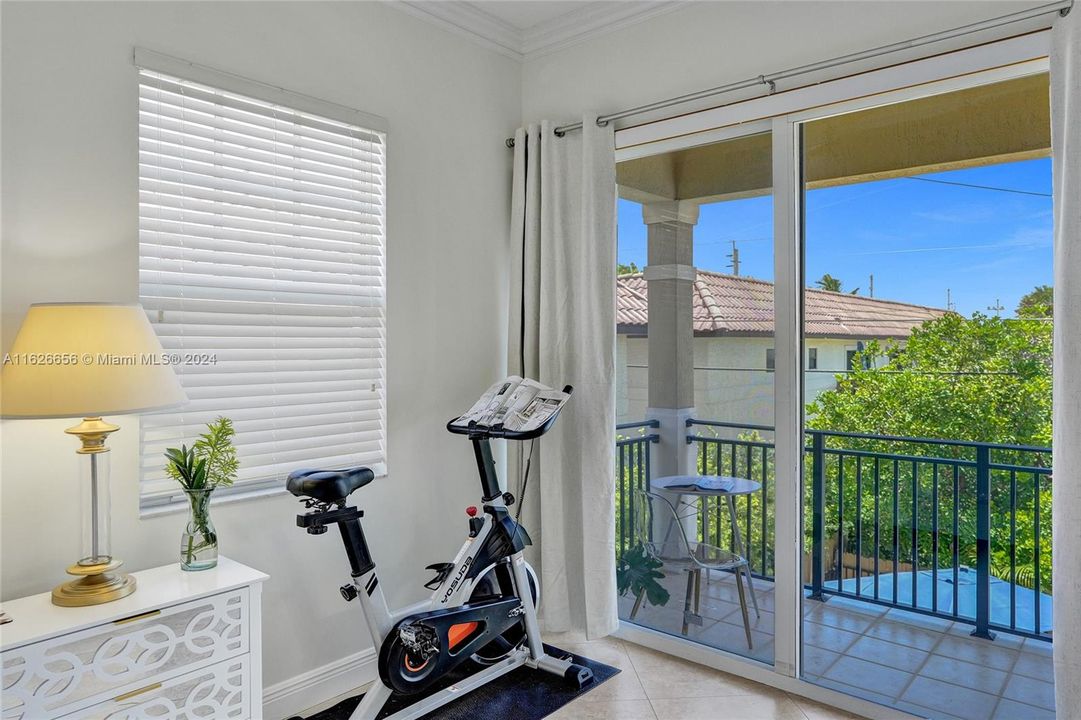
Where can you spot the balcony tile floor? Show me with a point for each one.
(927, 666)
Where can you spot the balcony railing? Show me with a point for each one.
(954, 529)
(633, 442)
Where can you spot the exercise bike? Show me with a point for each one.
(483, 606)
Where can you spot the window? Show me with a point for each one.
(771, 360)
(850, 359)
(261, 241)
(812, 358)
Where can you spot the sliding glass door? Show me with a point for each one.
(695, 359)
(927, 403)
(833, 370)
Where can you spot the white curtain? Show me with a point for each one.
(562, 332)
(1066, 487)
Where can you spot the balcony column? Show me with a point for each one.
(670, 276)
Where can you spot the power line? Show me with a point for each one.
(980, 187)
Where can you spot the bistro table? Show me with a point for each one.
(689, 485)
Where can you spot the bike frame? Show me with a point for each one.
(452, 592)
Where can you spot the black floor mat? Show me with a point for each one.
(522, 694)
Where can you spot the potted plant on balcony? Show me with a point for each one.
(637, 573)
(210, 463)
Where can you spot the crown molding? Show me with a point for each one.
(465, 20)
(473, 23)
(588, 22)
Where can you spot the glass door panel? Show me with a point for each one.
(927, 365)
(695, 358)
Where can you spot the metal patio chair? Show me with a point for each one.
(677, 551)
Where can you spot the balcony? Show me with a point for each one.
(926, 566)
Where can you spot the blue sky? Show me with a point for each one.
(918, 238)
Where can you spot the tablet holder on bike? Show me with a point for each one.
(480, 435)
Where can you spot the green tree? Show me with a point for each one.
(985, 379)
(828, 282)
(982, 379)
(1037, 304)
(624, 269)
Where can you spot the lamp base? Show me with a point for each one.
(96, 584)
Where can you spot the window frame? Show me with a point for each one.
(154, 62)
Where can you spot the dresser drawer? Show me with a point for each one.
(66, 673)
(218, 692)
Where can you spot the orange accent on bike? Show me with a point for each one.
(409, 666)
(460, 632)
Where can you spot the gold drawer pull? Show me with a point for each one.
(133, 693)
(133, 618)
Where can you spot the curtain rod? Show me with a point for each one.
(1062, 7)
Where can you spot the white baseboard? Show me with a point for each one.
(308, 690)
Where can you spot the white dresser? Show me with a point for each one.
(183, 646)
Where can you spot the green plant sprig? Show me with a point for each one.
(209, 463)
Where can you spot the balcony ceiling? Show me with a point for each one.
(980, 126)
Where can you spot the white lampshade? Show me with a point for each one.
(86, 359)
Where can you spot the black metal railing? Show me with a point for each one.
(897, 521)
(746, 455)
(633, 441)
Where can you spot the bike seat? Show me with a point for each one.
(328, 485)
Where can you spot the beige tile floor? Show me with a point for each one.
(655, 686)
(927, 666)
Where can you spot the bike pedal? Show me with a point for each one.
(442, 570)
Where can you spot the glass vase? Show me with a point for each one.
(199, 543)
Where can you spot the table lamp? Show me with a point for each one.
(86, 360)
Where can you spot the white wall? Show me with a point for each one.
(69, 164)
(706, 44)
(731, 382)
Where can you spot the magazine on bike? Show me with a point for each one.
(516, 403)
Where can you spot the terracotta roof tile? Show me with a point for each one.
(729, 304)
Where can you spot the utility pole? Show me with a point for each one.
(734, 255)
(996, 308)
(949, 300)
(872, 285)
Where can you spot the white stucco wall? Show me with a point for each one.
(731, 382)
(70, 173)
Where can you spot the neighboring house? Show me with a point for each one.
(733, 347)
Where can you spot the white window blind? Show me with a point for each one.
(261, 244)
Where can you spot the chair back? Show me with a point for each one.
(659, 528)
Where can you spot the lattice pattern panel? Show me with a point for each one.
(216, 692)
(63, 674)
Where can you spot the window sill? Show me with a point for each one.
(179, 506)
